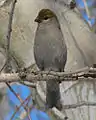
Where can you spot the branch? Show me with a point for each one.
(83, 70)
(17, 109)
(83, 103)
(7, 63)
(41, 76)
(19, 98)
(8, 37)
(32, 85)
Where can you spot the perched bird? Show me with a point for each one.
(50, 52)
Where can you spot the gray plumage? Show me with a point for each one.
(50, 54)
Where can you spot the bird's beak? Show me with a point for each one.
(37, 20)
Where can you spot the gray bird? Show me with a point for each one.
(50, 52)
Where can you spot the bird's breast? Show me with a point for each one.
(49, 44)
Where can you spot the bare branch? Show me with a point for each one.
(8, 36)
(17, 109)
(10, 26)
(32, 85)
(81, 71)
(14, 77)
(25, 107)
(18, 97)
(83, 103)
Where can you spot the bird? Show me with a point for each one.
(50, 53)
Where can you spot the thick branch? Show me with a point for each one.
(14, 77)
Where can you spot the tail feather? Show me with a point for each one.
(53, 94)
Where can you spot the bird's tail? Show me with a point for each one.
(53, 94)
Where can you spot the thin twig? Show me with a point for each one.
(17, 109)
(83, 103)
(18, 97)
(32, 85)
(71, 86)
(25, 107)
(8, 36)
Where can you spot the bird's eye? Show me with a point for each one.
(45, 18)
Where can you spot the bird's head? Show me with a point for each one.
(44, 15)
